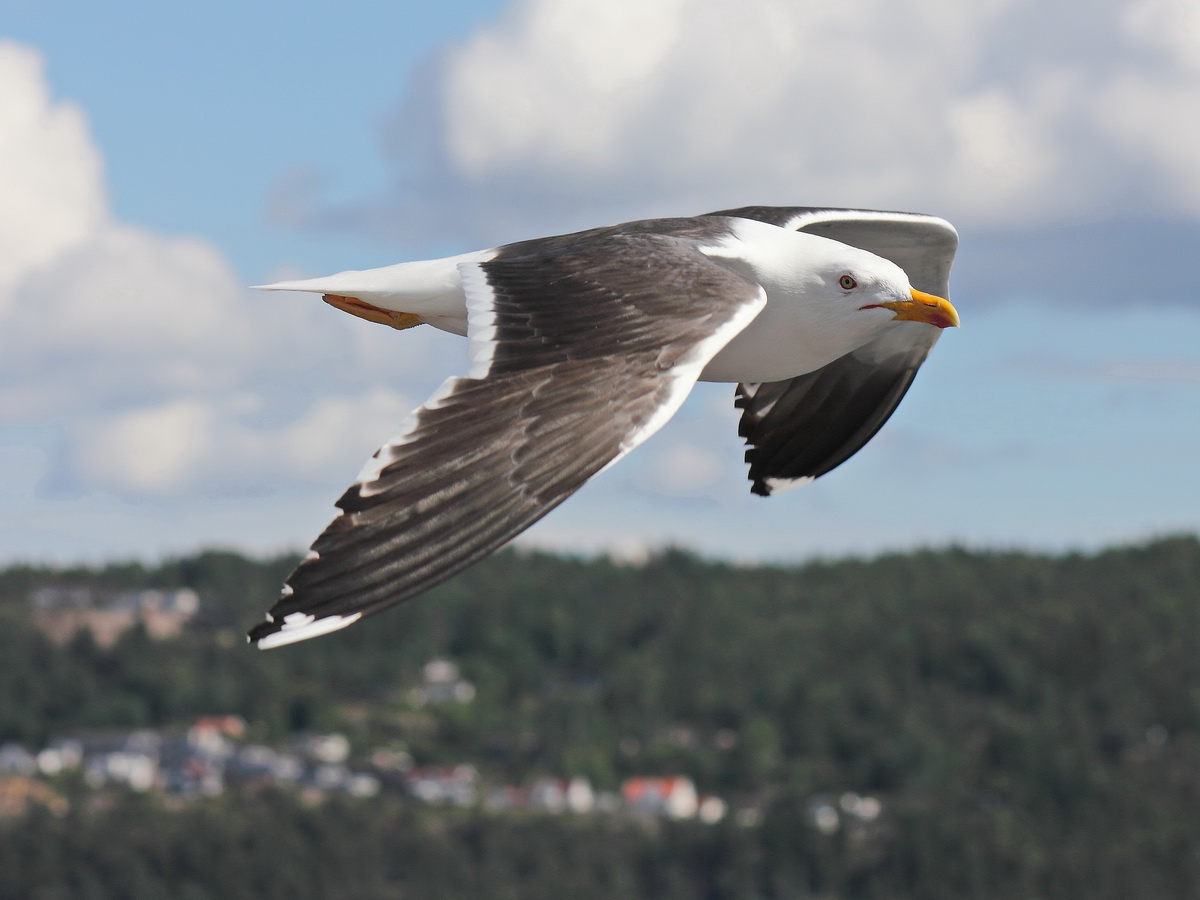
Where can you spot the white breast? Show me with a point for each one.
(808, 322)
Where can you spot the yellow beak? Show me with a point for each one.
(923, 307)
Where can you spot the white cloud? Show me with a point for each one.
(222, 444)
(597, 58)
(160, 373)
(567, 113)
(1005, 159)
(1171, 26)
(859, 102)
(147, 450)
(1143, 114)
(49, 169)
(127, 314)
(1150, 106)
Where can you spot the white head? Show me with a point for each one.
(825, 299)
(860, 294)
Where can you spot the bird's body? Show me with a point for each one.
(582, 345)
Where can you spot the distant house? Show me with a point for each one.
(554, 795)
(391, 759)
(127, 759)
(506, 798)
(18, 794)
(336, 777)
(188, 764)
(59, 756)
(61, 612)
(330, 776)
(257, 763)
(673, 797)
(362, 785)
(562, 795)
(331, 748)
(456, 786)
(214, 734)
(16, 760)
(828, 814)
(193, 765)
(441, 683)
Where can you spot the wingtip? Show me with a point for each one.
(773, 487)
(297, 627)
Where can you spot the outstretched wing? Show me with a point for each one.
(579, 353)
(801, 428)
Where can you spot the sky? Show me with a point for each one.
(156, 159)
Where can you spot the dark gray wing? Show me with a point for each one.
(799, 429)
(580, 352)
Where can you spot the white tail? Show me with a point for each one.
(430, 287)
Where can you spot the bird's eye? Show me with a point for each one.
(847, 282)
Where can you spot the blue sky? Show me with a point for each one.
(155, 159)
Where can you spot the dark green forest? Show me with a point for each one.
(1030, 723)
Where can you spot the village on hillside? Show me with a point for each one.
(213, 755)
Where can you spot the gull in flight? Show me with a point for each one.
(583, 345)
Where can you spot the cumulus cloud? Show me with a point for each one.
(148, 450)
(568, 112)
(130, 315)
(159, 373)
(49, 169)
(1149, 107)
(220, 444)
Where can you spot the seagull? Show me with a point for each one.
(582, 345)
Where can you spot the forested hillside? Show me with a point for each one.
(1031, 725)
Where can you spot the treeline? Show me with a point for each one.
(1031, 723)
